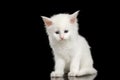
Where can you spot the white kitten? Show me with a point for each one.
(71, 51)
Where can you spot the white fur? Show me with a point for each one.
(71, 54)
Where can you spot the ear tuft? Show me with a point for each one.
(73, 16)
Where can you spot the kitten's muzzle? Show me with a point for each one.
(61, 37)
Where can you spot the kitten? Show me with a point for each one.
(71, 51)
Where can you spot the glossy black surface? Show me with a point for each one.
(87, 77)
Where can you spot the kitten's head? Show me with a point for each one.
(61, 26)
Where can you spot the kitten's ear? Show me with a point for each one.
(74, 16)
(47, 21)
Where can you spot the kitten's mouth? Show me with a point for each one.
(62, 38)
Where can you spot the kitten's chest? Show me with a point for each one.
(64, 47)
(64, 50)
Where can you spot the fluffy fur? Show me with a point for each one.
(71, 51)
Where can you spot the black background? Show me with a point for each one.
(34, 53)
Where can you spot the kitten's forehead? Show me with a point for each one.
(60, 16)
(61, 19)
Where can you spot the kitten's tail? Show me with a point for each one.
(86, 71)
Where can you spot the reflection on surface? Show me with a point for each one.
(87, 77)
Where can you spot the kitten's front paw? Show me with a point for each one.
(72, 74)
(57, 74)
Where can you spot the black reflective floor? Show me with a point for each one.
(87, 77)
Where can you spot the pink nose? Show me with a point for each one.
(62, 37)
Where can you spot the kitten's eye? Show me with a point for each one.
(66, 31)
(57, 32)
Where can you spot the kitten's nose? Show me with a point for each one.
(61, 37)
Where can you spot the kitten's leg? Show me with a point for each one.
(59, 67)
(74, 66)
